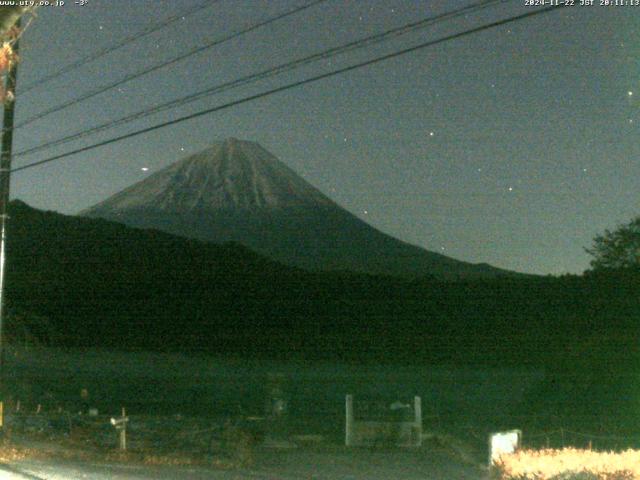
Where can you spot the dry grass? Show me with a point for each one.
(143, 457)
(8, 57)
(569, 463)
(455, 447)
(236, 451)
(11, 453)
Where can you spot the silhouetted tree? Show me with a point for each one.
(618, 249)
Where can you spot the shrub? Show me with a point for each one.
(569, 464)
(236, 444)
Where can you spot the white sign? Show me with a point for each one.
(503, 443)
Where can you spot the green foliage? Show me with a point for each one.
(28, 329)
(237, 445)
(618, 249)
(98, 283)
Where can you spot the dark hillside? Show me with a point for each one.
(101, 283)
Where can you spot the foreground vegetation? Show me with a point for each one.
(569, 464)
(79, 282)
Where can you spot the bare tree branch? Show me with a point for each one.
(9, 16)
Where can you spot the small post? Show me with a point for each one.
(123, 432)
(348, 435)
(417, 411)
(120, 425)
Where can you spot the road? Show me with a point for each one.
(296, 464)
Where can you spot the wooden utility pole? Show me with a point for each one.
(5, 177)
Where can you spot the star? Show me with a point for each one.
(630, 93)
(431, 134)
(366, 212)
(510, 189)
(145, 169)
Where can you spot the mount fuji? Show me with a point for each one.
(237, 191)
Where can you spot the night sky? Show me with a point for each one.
(513, 146)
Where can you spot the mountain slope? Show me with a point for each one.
(238, 191)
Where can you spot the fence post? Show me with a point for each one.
(417, 409)
(120, 424)
(348, 435)
(123, 432)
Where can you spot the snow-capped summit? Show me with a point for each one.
(232, 174)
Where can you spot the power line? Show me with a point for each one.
(288, 66)
(132, 38)
(172, 61)
(292, 85)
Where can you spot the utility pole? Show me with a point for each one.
(5, 177)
